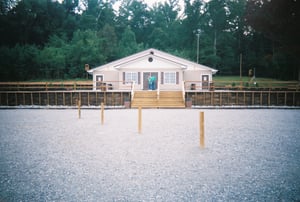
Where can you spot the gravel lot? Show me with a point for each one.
(51, 155)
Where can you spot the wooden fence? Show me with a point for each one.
(244, 98)
(63, 98)
(113, 98)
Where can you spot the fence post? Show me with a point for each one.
(31, 98)
(16, 99)
(79, 110)
(56, 98)
(285, 98)
(202, 142)
(102, 113)
(294, 99)
(24, 99)
(140, 120)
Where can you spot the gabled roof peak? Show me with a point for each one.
(157, 53)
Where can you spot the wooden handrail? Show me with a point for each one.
(132, 89)
(259, 85)
(183, 91)
(158, 90)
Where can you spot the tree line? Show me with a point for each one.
(48, 39)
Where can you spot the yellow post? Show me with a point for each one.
(202, 142)
(140, 120)
(102, 113)
(79, 112)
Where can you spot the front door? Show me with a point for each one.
(150, 85)
(99, 80)
(205, 81)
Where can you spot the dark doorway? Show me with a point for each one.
(146, 75)
(205, 81)
(99, 83)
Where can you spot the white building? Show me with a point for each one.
(170, 72)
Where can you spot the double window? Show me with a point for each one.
(170, 77)
(131, 76)
(166, 77)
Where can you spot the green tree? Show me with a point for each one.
(6, 5)
(217, 22)
(55, 39)
(278, 21)
(36, 20)
(128, 44)
(18, 63)
(159, 39)
(52, 59)
(192, 21)
(85, 48)
(109, 42)
(97, 13)
(163, 17)
(134, 14)
(71, 6)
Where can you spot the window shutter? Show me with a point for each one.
(123, 77)
(177, 77)
(162, 77)
(139, 77)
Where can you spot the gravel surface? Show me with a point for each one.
(51, 155)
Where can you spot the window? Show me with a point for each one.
(131, 76)
(170, 77)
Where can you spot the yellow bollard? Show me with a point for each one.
(140, 120)
(202, 140)
(79, 110)
(102, 113)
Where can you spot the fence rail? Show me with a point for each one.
(45, 86)
(247, 86)
(115, 85)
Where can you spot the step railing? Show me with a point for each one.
(132, 89)
(183, 91)
(158, 91)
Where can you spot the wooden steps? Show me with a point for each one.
(149, 99)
